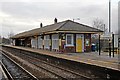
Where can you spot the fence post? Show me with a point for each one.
(113, 43)
(99, 44)
(109, 48)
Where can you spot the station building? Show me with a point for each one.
(65, 36)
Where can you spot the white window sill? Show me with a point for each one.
(69, 45)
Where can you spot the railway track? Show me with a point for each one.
(14, 71)
(59, 72)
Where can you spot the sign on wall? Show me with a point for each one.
(115, 40)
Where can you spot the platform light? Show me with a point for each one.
(76, 19)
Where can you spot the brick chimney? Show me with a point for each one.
(55, 20)
(41, 25)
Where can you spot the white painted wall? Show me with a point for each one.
(81, 36)
(55, 41)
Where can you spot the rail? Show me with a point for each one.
(10, 76)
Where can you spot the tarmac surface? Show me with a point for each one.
(104, 56)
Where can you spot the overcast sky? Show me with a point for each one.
(25, 15)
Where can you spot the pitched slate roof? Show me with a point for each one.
(67, 25)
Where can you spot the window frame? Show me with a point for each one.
(71, 40)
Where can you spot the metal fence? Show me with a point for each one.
(107, 43)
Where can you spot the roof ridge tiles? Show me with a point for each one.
(85, 25)
(63, 24)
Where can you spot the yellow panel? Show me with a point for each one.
(79, 45)
(59, 42)
(50, 42)
(43, 42)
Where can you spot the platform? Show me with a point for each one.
(0, 73)
(91, 58)
(1, 70)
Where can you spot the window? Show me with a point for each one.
(69, 39)
(87, 42)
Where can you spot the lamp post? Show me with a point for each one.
(76, 19)
(109, 15)
(109, 27)
(113, 43)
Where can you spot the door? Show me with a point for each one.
(79, 45)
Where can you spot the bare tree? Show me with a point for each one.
(0, 39)
(99, 24)
(10, 34)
